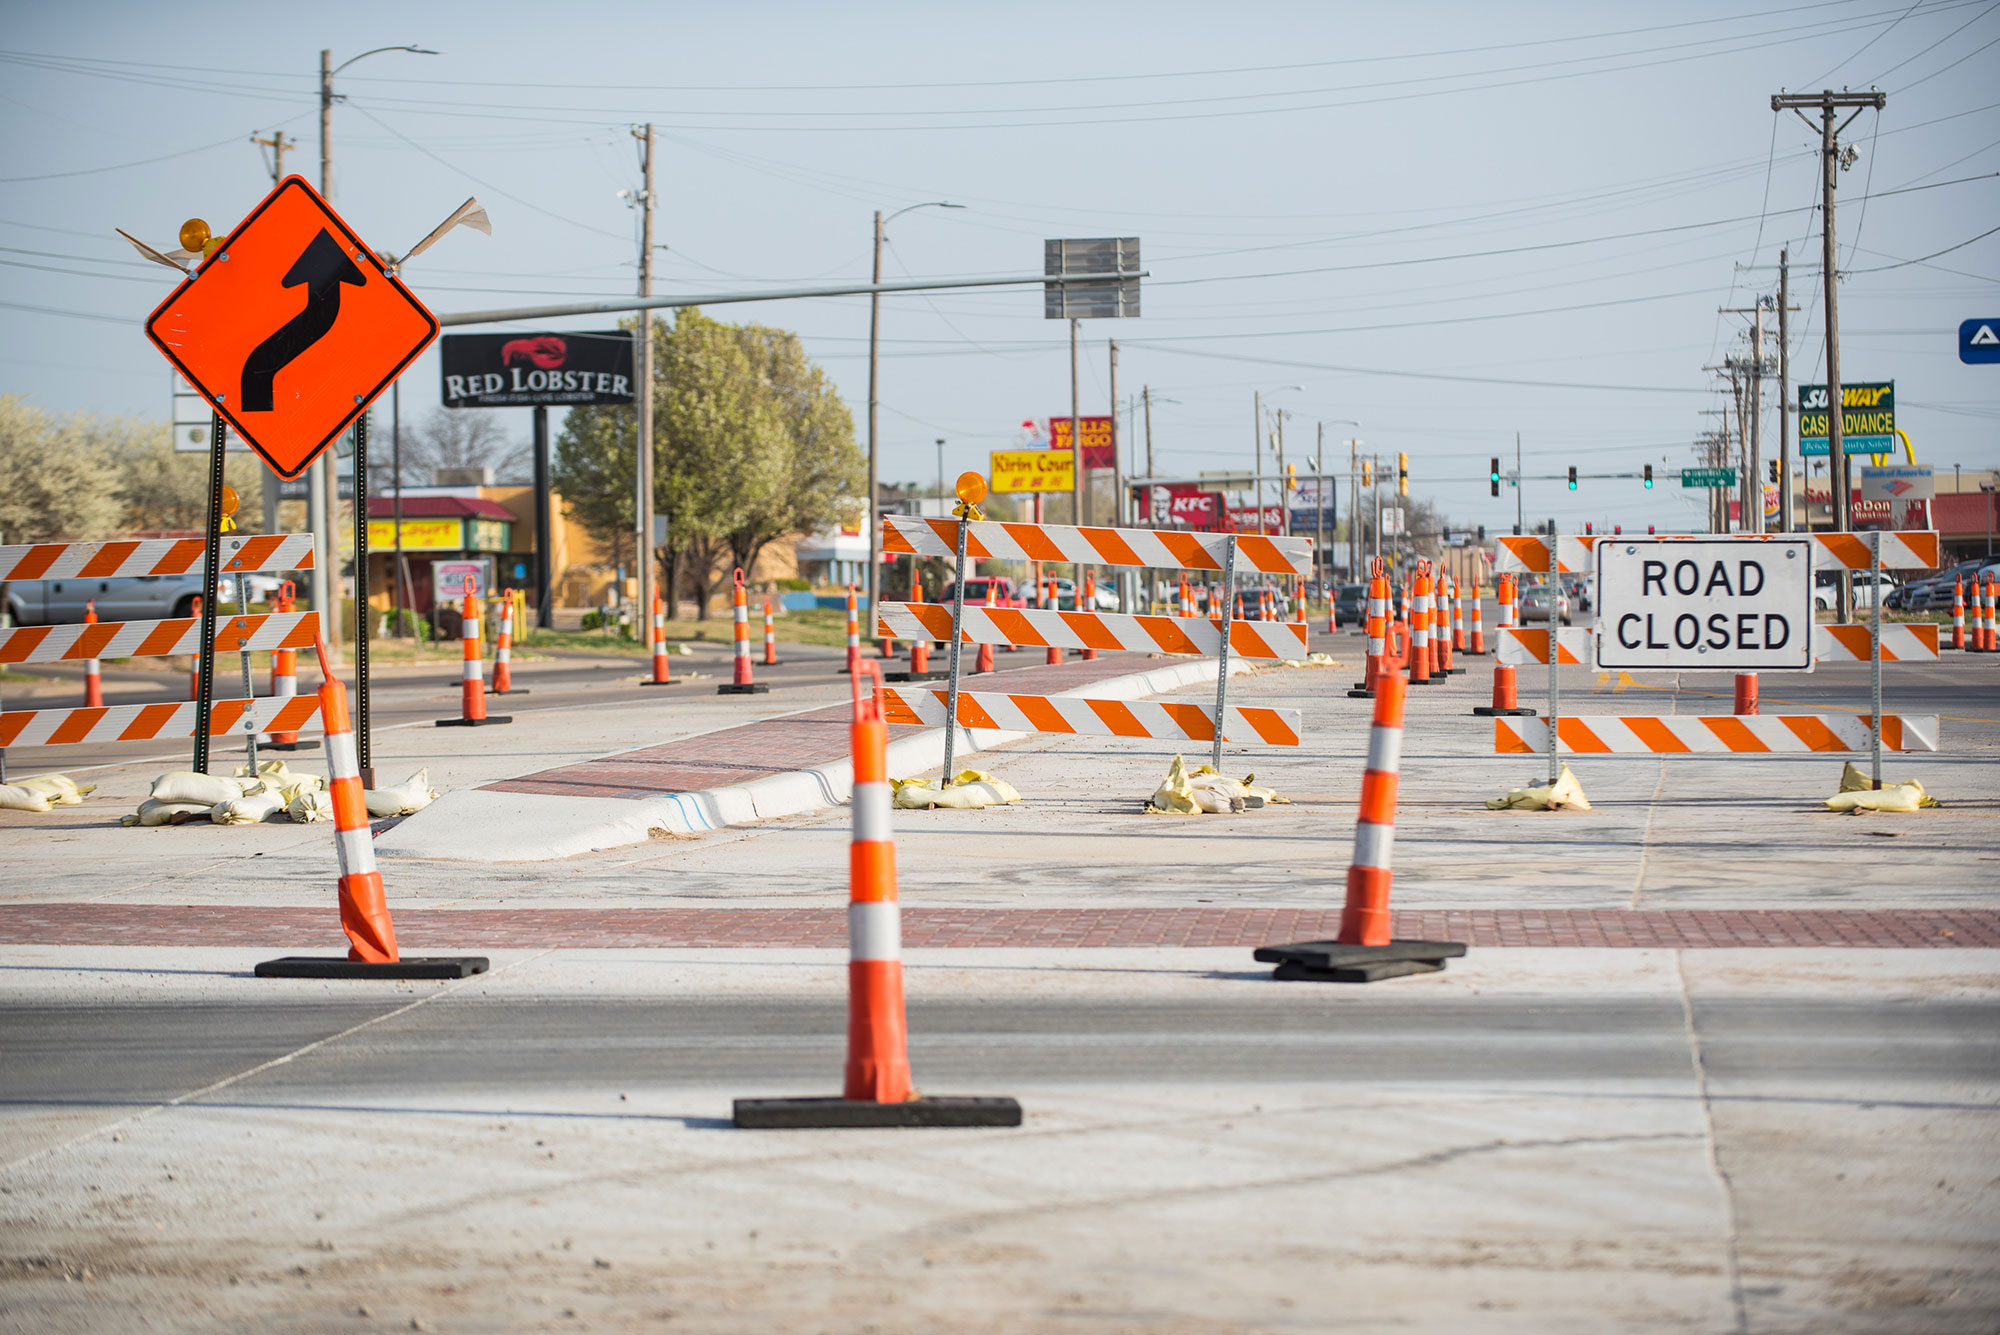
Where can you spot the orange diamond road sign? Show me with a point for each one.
(291, 327)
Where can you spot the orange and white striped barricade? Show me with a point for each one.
(1958, 613)
(472, 677)
(1142, 633)
(1088, 604)
(1852, 643)
(93, 678)
(1365, 951)
(503, 650)
(984, 663)
(1169, 721)
(256, 633)
(877, 1090)
(364, 907)
(663, 672)
(743, 683)
(920, 668)
(770, 635)
(167, 721)
(853, 663)
(125, 557)
(1716, 734)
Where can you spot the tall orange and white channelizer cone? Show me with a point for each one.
(770, 636)
(1377, 629)
(284, 675)
(503, 650)
(1365, 952)
(1420, 626)
(877, 1090)
(920, 668)
(1506, 702)
(364, 907)
(853, 630)
(1478, 647)
(1958, 613)
(472, 676)
(744, 683)
(93, 680)
(1088, 604)
(663, 672)
(984, 663)
(1051, 601)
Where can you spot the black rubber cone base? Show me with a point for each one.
(511, 690)
(288, 746)
(1361, 693)
(933, 675)
(1488, 711)
(650, 682)
(806, 1114)
(1333, 962)
(742, 688)
(410, 966)
(474, 722)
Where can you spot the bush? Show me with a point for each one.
(794, 586)
(595, 619)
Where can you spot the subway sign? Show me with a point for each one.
(1867, 418)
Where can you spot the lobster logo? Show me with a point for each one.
(544, 351)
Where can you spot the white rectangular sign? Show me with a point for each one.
(1713, 604)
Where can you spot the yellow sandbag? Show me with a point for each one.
(1245, 788)
(1899, 797)
(153, 812)
(969, 790)
(1174, 796)
(412, 794)
(62, 790)
(1565, 792)
(307, 805)
(279, 776)
(189, 786)
(1853, 780)
(250, 809)
(16, 797)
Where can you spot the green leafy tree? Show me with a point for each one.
(56, 479)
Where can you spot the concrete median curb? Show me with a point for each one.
(482, 825)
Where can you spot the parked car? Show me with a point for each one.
(1826, 589)
(1004, 592)
(1933, 592)
(1537, 599)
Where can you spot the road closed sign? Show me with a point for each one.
(1715, 604)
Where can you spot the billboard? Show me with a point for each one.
(536, 370)
(1867, 418)
(1032, 470)
(1097, 437)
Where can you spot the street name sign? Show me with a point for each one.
(1711, 604)
(1708, 477)
(291, 327)
(1979, 342)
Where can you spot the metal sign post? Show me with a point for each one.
(1555, 663)
(211, 562)
(957, 641)
(1222, 654)
(1875, 658)
(243, 659)
(361, 730)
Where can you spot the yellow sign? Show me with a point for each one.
(424, 535)
(1033, 470)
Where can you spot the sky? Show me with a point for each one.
(1428, 227)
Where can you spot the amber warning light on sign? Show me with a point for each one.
(291, 326)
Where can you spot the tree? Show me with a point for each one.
(750, 444)
(55, 482)
(162, 488)
(447, 438)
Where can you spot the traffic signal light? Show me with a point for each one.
(1649, 477)
(1649, 530)
(1291, 477)
(1774, 472)
(1493, 475)
(1367, 472)
(1402, 474)
(1572, 477)
(1588, 528)
(1482, 532)
(1617, 529)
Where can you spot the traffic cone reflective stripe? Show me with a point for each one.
(1364, 921)
(472, 686)
(93, 683)
(770, 636)
(1420, 628)
(1055, 653)
(920, 650)
(662, 671)
(878, 1060)
(364, 909)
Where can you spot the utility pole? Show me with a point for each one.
(1117, 478)
(1257, 444)
(642, 550)
(323, 476)
(1828, 102)
(1784, 396)
(1078, 490)
(874, 519)
(277, 143)
(1520, 515)
(1146, 396)
(1319, 504)
(1284, 501)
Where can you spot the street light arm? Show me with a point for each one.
(414, 50)
(928, 204)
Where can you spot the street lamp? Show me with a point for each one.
(874, 367)
(940, 450)
(1319, 489)
(323, 478)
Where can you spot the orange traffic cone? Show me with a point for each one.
(93, 681)
(472, 678)
(744, 683)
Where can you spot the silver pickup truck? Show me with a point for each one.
(51, 602)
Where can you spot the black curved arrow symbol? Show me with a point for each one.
(322, 268)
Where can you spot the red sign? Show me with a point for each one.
(1184, 505)
(1243, 519)
(291, 327)
(1097, 446)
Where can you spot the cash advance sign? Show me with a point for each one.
(1715, 604)
(1867, 419)
(536, 370)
